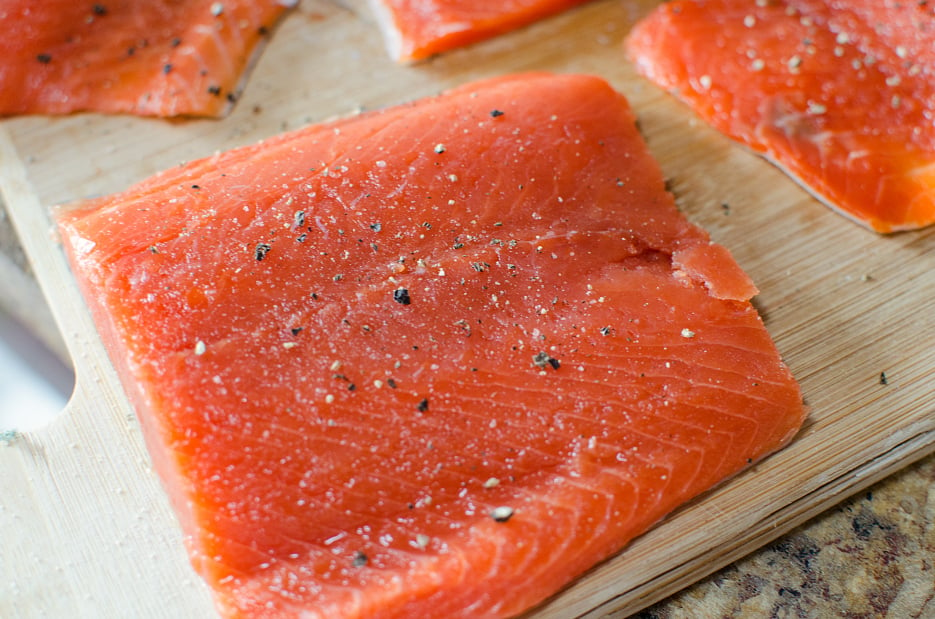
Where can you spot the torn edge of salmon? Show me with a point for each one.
(841, 97)
(187, 58)
(436, 360)
(415, 30)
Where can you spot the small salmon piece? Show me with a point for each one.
(430, 361)
(417, 29)
(840, 95)
(146, 57)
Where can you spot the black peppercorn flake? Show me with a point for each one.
(262, 249)
(401, 296)
(298, 220)
(543, 359)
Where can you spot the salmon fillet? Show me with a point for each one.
(430, 361)
(841, 95)
(146, 57)
(417, 29)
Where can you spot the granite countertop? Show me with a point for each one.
(871, 556)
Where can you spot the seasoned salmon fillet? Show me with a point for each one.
(417, 29)
(430, 361)
(146, 57)
(841, 95)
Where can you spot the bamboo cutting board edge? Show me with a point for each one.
(81, 503)
(661, 582)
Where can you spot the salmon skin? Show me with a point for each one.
(841, 95)
(146, 57)
(430, 361)
(417, 29)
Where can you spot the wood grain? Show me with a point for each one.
(88, 531)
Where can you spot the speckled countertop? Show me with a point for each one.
(871, 556)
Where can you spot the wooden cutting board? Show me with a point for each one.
(87, 529)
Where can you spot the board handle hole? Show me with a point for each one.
(36, 374)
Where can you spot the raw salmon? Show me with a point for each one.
(430, 361)
(146, 57)
(416, 29)
(841, 95)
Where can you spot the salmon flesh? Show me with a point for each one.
(160, 58)
(840, 95)
(417, 29)
(435, 360)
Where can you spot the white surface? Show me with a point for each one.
(34, 384)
